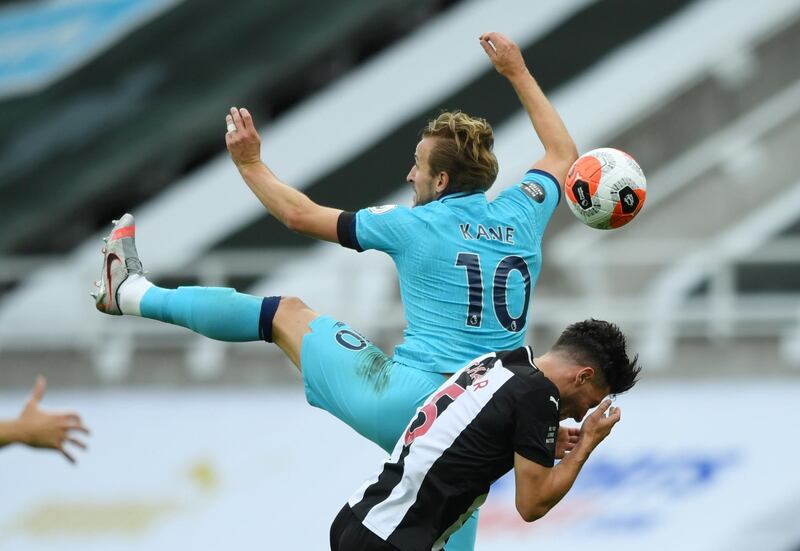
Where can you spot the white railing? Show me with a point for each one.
(720, 313)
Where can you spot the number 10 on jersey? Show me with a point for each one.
(471, 262)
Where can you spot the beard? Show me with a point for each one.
(423, 195)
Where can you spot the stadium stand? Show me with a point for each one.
(704, 93)
(677, 123)
(125, 125)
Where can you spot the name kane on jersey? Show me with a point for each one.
(499, 233)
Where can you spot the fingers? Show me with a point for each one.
(80, 428)
(489, 49)
(66, 439)
(77, 426)
(75, 441)
(237, 119)
(489, 44)
(71, 421)
(247, 118)
(66, 455)
(495, 39)
(38, 389)
(602, 408)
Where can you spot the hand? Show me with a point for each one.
(242, 139)
(567, 439)
(598, 425)
(40, 429)
(504, 54)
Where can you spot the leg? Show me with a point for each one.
(291, 323)
(349, 377)
(217, 313)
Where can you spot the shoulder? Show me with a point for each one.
(383, 215)
(529, 378)
(540, 186)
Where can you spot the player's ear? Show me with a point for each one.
(585, 375)
(442, 181)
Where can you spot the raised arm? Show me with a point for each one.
(559, 149)
(293, 208)
(539, 488)
(41, 429)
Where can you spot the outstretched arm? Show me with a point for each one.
(538, 488)
(40, 429)
(559, 149)
(293, 208)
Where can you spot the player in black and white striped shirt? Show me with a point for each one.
(501, 411)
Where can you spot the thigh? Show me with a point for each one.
(351, 378)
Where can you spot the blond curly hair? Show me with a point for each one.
(463, 150)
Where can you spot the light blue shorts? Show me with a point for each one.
(350, 377)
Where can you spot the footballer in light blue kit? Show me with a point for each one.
(467, 267)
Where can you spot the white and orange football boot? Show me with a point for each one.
(120, 261)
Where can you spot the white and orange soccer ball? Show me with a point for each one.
(605, 188)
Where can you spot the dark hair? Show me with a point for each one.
(601, 345)
(463, 150)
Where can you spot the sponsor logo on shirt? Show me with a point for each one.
(534, 191)
(551, 434)
(382, 209)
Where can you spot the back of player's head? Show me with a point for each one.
(601, 345)
(463, 150)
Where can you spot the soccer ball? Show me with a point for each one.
(605, 188)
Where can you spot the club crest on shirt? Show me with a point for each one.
(382, 209)
(534, 191)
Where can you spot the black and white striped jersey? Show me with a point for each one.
(461, 440)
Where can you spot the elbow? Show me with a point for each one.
(565, 153)
(294, 220)
(531, 513)
(572, 155)
(569, 152)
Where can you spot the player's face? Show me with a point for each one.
(420, 177)
(585, 397)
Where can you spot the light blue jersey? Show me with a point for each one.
(467, 268)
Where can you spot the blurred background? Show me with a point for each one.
(118, 106)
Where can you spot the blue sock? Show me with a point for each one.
(215, 312)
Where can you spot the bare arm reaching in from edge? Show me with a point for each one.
(293, 208)
(40, 429)
(559, 149)
(539, 488)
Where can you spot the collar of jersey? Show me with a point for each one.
(459, 194)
